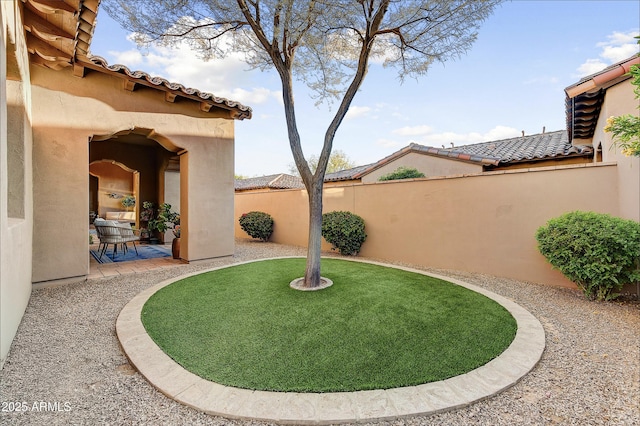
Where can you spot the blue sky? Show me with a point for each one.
(512, 79)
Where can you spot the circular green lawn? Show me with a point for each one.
(375, 328)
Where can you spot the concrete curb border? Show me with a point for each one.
(325, 408)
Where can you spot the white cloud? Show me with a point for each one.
(500, 132)
(226, 78)
(618, 47)
(591, 66)
(130, 58)
(357, 112)
(413, 130)
(389, 143)
(619, 53)
(257, 95)
(446, 138)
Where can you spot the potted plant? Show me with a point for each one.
(146, 214)
(165, 219)
(175, 244)
(128, 202)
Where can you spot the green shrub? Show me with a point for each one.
(596, 251)
(344, 230)
(402, 173)
(257, 225)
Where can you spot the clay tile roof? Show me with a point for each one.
(278, 181)
(522, 148)
(58, 35)
(347, 174)
(584, 99)
(483, 157)
(519, 149)
(57, 32)
(240, 111)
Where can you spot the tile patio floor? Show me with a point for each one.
(102, 270)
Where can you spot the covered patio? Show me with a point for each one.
(65, 117)
(177, 142)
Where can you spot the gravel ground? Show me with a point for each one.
(66, 365)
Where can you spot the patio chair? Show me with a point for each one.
(128, 235)
(112, 232)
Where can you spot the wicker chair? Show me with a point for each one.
(112, 232)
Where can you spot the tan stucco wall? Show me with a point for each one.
(69, 110)
(429, 165)
(620, 100)
(483, 223)
(16, 219)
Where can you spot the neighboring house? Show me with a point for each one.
(589, 103)
(270, 182)
(544, 149)
(73, 128)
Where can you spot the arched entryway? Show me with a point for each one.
(134, 164)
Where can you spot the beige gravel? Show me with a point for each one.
(66, 365)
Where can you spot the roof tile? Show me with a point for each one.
(277, 181)
(523, 148)
(241, 111)
(537, 147)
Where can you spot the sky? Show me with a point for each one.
(512, 80)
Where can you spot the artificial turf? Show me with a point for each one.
(375, 328)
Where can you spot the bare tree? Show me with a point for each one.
(325, 43)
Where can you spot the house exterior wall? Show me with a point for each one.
(16, 202)
(483, 223)
(620, 100)
(68, 110)
(429, 165)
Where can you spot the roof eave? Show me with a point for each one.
(598, 80)
(172, 90)
(65, 41)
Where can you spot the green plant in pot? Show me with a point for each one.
(165, 219)
(128, 202)
(146, 214)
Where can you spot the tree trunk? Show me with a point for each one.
(312, 273)
(283, 60)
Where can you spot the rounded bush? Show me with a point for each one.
(257, 225)
(344, 230)
(596, 251)
(402, 173)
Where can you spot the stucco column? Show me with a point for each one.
(206, 198)
(60, 198)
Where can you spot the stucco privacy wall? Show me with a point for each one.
(16, 220)
(68, 110)
(483, 223)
